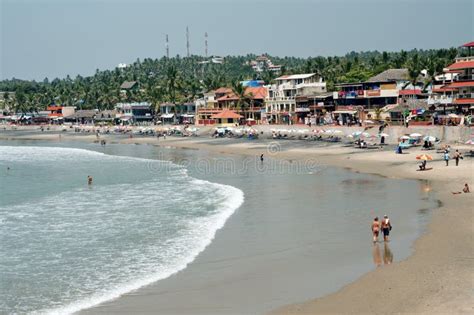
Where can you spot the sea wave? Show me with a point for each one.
(98, 266)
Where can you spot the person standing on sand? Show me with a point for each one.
(375, 229)
(457, 156)
(446, 157)
(386, 227)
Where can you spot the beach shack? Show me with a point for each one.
(226, 118)
(81, 117)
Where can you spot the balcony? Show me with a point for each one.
(280, 99)
(461, 78)
(465, 95)
(311, 85)
(443, 100)
(462, 59)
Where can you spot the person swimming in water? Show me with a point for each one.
(89, 180)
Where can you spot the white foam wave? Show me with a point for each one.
(208, 227)
(56, 154)
(198, 234)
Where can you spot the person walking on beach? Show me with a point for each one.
(446, 157)
(386, 227)
(457, 156)
(261, 157)
(375, 229)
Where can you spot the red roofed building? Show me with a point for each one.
(225, 99)
(463, 83)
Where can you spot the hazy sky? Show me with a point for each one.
(52, 38)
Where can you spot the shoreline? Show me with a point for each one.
(434, 279)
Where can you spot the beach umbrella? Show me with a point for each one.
(416, 135)
(471, 142)
(383, 135)
(369, 121)
(350, 136)
(404, 138)
(425, 157)
(429, 138)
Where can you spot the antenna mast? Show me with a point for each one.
(187, 40)
(167, 46)
(205, 42)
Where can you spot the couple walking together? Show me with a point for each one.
(385, 226)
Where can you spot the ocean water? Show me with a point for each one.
(66, 245)
(304, 227)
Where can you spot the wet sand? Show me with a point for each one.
(437, 278)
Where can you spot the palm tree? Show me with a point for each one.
(243, 98)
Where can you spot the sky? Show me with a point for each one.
(53, 38)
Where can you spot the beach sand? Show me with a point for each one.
(437, 278)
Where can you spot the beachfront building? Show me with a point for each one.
(58, 112)
(184, 113)
(128, 113)
(280, 103)
(313, 108)
(463, 83)
(373, 99)
(250, 109)
(440, 96)
(81, 117)
(226, 117)
(105, 117)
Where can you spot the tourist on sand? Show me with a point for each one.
(386, 227)
(466, 188)
(89, 180)
(457, 156)
(375, 229)
(446, 157)
(422, 166)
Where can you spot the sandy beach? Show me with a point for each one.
(437, 278)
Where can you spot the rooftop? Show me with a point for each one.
(391, 75)
(252, 92)
(128, 85)
(226, 114)
(295, 76)
(461, 65)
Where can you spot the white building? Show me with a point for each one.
(280, 104)
(263, 62)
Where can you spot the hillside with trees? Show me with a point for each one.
(179, 80)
